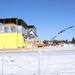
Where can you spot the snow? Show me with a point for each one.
(45, 61)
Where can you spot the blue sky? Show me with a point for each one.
(48, 16)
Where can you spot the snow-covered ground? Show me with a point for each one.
(57, 48)
(41, 62)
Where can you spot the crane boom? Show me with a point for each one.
(61, 32)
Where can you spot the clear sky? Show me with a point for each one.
(48, 16)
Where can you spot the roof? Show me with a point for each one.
(21, 22)
(31, 26)
(13, 20)
(8, 20)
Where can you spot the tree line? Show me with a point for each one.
(59, 41)
(73, 40)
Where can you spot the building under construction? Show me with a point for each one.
(15, 33)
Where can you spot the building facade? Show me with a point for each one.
(12, 33)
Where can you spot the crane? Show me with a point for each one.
(61, 32)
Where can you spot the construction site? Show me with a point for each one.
(20, 55)
(15, 33)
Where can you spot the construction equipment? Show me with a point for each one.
(61, 32)
(39, 42)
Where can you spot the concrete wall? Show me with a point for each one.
(37, 63)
